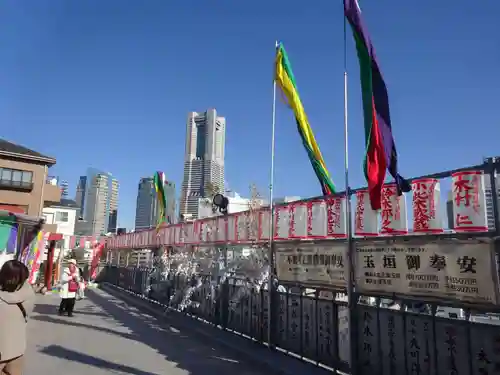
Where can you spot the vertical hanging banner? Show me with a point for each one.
(469, 202)
(298, 220)
(37, 248)
(393, 212)
(316, 218)
(208, 230)
(242, 221)
(365, 219)
(8, 234)
(425, 202)
(264, 224)
(96, 257)
(190, 233)
(335, 217)
(221, 229)
(281, 223)
(231, 228)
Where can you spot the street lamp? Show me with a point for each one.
(221, 202)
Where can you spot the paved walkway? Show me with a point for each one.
(106, 336)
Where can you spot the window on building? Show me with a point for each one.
(62, 216)
(15, 178)
(200, 142)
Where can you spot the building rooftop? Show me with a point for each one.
(66, 203)
(12, 149)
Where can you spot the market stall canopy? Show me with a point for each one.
(13, 225)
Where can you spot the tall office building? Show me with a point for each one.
(97, 197)
(203, 159)
(147, 209)
(80, 195)
(64, 188)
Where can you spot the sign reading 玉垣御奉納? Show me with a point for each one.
(455, 270)
(312, 264)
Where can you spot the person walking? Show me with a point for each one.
(17, 299)
(70, 282)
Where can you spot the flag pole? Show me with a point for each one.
(351, 294)
(271, 213)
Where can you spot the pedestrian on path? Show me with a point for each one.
(70, 283)
(16, 302)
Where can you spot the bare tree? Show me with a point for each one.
(251, 221)
(211, 190)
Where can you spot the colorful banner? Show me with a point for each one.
(36, 249)
(8, 234)
(96, 257)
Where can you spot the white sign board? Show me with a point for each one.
(312, 264)
(456, 270)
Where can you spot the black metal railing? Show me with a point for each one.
(307, 326)
(431, 340)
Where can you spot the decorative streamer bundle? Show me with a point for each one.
(380, 146)
(286, 82)
(159, 182)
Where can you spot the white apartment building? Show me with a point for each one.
(64, 215)
(203, 159)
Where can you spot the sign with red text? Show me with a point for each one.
(281, 222)
(298, 220)
(365, 219)
(469, 202)
(393, 213)
(335, 217)
(453, 270)
(426, 200)
(265, 224)
(221, 229)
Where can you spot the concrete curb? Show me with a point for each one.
(271, 360)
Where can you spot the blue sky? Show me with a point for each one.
(108, 84)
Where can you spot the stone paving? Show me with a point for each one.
(106, 336)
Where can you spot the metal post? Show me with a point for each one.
(351, 293)
(270, 287)
(493, 164)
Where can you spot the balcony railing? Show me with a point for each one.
(16, 185)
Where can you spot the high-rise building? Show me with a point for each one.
(147, 209)
(203, 160)
(80, 194)
(63, 184)
(97, 197)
